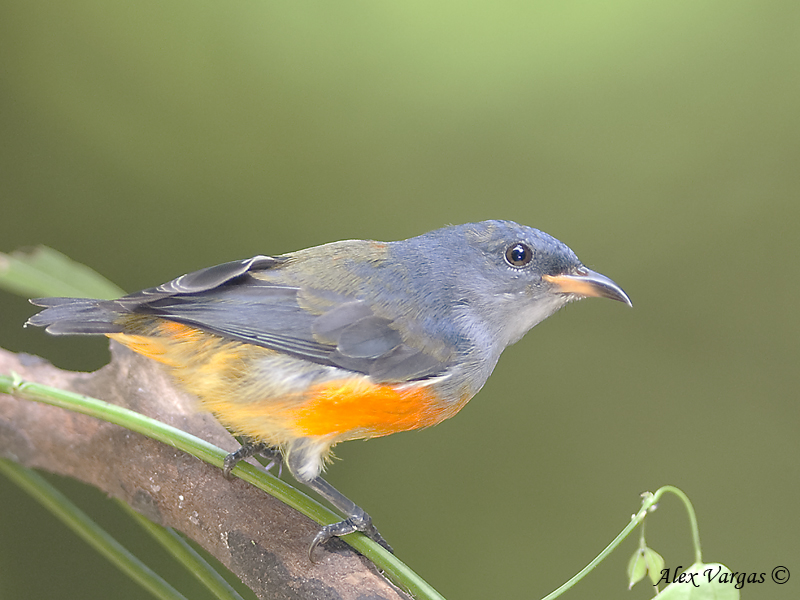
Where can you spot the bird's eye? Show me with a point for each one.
(519, 254)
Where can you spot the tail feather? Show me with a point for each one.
(71, 316)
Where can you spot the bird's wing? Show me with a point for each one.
(236, 301)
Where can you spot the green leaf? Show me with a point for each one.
(637, 568)
(43, 271)
(655, 564)
(645, 561)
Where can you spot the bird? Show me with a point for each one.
(353, 339)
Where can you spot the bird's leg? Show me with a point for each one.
(251, 448)
(357, 519)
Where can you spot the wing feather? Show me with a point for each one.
(230, 301)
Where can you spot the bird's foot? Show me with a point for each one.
(249, 449)
(358, 522)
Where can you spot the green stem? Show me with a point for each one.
(186, 555)
(395, 569)
(60, 506)
(649, 503)
(635, 520)
(698, 554)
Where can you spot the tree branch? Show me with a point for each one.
(263, 541)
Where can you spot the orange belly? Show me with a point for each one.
(265, 407)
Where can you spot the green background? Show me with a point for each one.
(659, 139)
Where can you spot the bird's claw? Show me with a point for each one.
(361, 522)
(247, 450)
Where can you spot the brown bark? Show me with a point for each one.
(263, 541)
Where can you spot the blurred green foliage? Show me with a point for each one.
(658, 139)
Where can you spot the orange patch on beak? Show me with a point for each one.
(588, 283)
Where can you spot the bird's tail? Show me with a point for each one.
(77, 316)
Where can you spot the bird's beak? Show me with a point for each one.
(585, 282)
